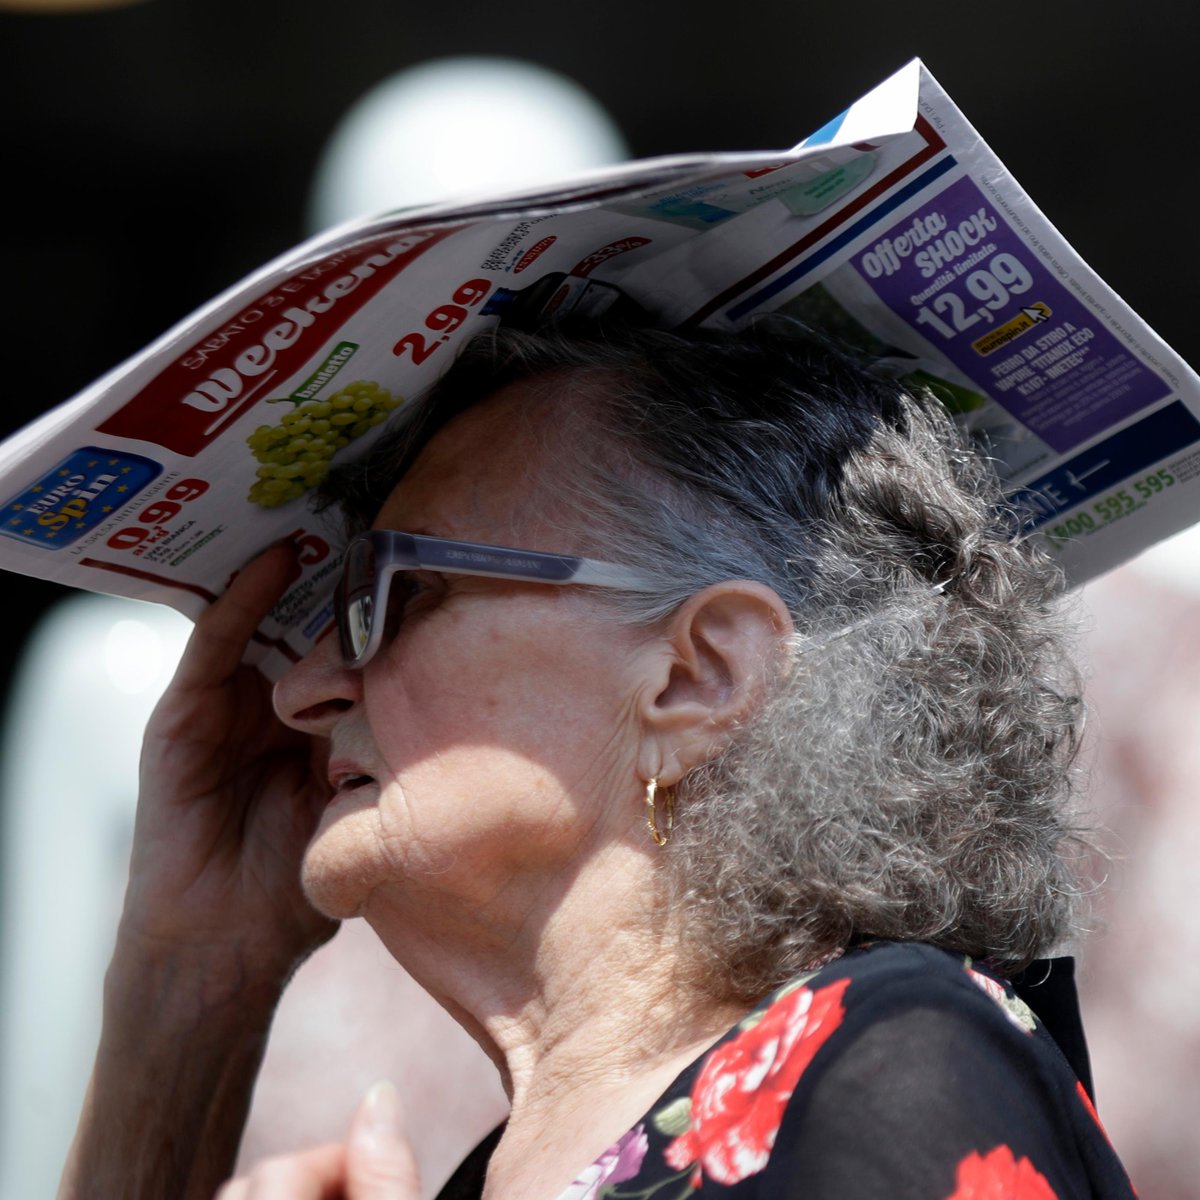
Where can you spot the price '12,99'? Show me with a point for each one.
(948, 314)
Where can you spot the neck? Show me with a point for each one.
(572, 986)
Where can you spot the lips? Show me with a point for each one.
(345, 778)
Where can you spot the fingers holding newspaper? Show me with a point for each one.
(228, 798)
(215, 920)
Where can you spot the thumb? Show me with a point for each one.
(379, 1160)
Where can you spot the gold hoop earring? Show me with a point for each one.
(663, 836)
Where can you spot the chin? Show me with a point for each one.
(328, 898)
(332, 876)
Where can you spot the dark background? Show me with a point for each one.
(153, 154)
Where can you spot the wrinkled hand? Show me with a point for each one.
(215, 919)
(375, 1163)
(228, 800)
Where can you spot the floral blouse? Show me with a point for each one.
(897, 1072)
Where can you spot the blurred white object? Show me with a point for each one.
(1175, 561)
(459, 126)
(1140, 972)
(90, 677)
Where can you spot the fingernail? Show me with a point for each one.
(380, 1114)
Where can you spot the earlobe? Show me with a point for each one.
(719, 654)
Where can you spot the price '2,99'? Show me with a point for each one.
(443, 320)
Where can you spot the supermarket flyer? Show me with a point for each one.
(893, 227)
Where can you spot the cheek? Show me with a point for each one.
(498, 697)
(511, 671)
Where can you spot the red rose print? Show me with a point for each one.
(742, 1089)
(1086, 1101)
(999, 1176)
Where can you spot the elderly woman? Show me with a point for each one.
(704, 751)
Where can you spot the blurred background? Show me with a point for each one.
(156, 151)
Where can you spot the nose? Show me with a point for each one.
(318, 690)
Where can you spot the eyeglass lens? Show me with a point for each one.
(356, 610)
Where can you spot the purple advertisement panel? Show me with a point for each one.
(964, 279)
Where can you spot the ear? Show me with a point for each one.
(715, 662)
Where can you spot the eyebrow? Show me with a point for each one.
(417, 530)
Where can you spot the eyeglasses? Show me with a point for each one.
(374, 559)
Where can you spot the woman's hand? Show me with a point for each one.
(228, 800)
(375, 1163)
(215, 920)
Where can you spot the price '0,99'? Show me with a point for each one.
(443, 320)
(157, 513)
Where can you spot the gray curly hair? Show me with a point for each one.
(910, 775)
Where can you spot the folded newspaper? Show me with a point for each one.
(893, 226)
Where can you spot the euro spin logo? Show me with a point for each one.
(86, 488)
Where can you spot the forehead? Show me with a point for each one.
(485, 474)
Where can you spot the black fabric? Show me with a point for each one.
(1048, 987)
(898, 1072)
(467, 1181)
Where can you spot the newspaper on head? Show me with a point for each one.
(894, 227)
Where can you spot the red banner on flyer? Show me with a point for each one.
(191, 402)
